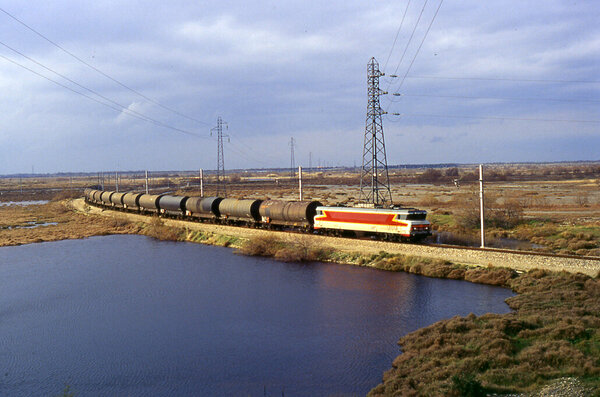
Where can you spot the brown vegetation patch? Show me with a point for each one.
(158, 230)
(70, 224)
(295, 248)
(553, 333)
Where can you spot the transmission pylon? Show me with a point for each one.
(221, 184)
(292, 161)
(374, 180)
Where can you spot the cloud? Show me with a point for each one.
(279, 69)
(228, 36)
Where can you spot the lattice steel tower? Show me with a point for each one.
(221, 184)
(374, 180)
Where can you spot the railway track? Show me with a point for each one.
(509, 251)
(475, 256)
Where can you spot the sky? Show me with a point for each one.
(479, 82)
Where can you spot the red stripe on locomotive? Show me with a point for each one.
(359, 217)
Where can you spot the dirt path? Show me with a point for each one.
(521, 262)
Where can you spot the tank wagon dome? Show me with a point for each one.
(204, 205)
(105, 196)
(131, 200)
(172, 203)
(240, 208)
(149, 201)
(289, 211)
(117, 199)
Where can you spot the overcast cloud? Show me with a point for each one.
(275, 70)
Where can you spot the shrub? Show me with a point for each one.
(466, 385)
(297, 249)
(157, 229)
(261, 245)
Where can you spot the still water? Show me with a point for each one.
(132, 316)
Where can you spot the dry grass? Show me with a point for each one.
(158, 230)
(69, 224)
(292, 249)
(553, 333)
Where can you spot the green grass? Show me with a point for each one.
(441, 220)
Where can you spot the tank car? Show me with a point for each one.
(105, 197)
(172, 205)
(239, 210)
(149, 202)
(289, 213)
(116, 200)
(96, 196)
(131, 201)
(203, 207)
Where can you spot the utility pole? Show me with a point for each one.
(292, 162)
(201, 183)
(117, 181)
(300, 181)
(146, 181)
(221, 185)
(374, 180)
(481, 206)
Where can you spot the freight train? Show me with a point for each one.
(394, 224)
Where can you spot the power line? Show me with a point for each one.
(420, 45)
(410, 38)
(497, 98)
(494, 118)
(101, 72)
(123, 107)
(506, 79)
(120, 110)
(396, 38)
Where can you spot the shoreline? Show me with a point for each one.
(552, 335)
(550, 341)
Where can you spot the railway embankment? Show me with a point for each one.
(548, 345)
(220, 234)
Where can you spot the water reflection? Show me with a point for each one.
(128, 315)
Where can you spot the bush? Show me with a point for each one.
(466, 385)
(160, 231)
(296, 249)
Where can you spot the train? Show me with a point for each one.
(392, 224)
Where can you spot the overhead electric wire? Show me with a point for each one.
(507, 79)
(420, 45)
(499, 98)
(101, 72)
(119, 109)
(410, 38)
(141, 115)
(495, 118)
(396, 38)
